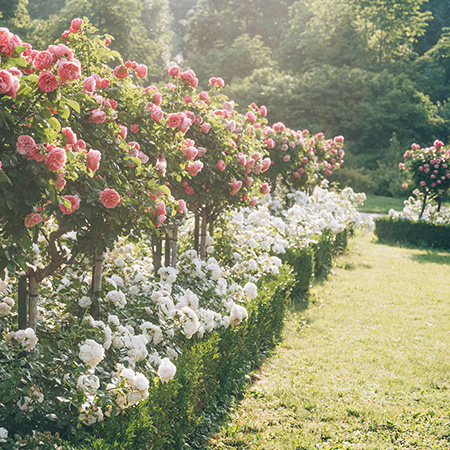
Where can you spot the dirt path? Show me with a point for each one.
(366, 367)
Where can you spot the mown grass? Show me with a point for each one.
(381, 205)
(366, 367)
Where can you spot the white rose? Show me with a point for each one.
(166, 370)
(91, 353)
(251, 291)
(85, 301)
(5, 309)
(3, 431)
(140, 382)
(238, 314)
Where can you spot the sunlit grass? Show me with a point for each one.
(381, 205)
(366, 367)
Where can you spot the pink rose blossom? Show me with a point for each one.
(205, 127)
(263, 111)
(221, 165)
(33, 219)
(201, 151)
(109, 198)
(93, 160)
(250, 117)
(190, 153)
(123, 131)
(194, 168)
(55, 159)
(253, 201)
(43, 60)
(174, 71)
(75, 26)
(161, 208)
(182, 205)
(279, 127)
(25, 145)
(89, 85)
(156, 114)
(161, 165)
(141, 71)
(189, 77)
(121, 71)
(60, 181)
(270, 143)
(60, 50)
(235, 186)
(5, 34)
(244, 198)
(68, 70)
(47, 82)
(6, 81)
(157, 98)
(204, 97)
(216, 82)
(74, 204)
(134, 128)
(69, 135)
(286, 158)
(242, 159)
(174, 120)
(265, 188)
(97, 116)
(248, 181)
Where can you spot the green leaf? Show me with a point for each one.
(164, 189)
(73, 104)
(33, 78)
(54, 124)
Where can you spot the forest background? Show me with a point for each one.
(375, 71)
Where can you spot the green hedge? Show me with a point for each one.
(419, 233)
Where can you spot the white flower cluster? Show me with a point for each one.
(6, 305)
(27, 338)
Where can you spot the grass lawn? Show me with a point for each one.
(381, 205)
(366, 367)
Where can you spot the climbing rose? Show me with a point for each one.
(221, 165)
(69, 135)
(43, 60)
(109, 198)
(74, 204)
(174, 120)
(120, 71)
(68, 70)
(55, 159)
(174, 71)
(97, 116)
(182, 205)
(32, 219)
(25, 145)
(75, 25)
(205, 127)
(6, 81)
(93, 160)
(89, 85)
(141, 71)
(265, 188)
(47, 82)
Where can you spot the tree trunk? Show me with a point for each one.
(203, 236)
(22, 302)
(157, 254)
(196, 232)
(97, 272)
(167, 249)
(174, 247)
(423, 206)
(33, 301)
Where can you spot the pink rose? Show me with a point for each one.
(55, 159)
(79, 145)
(248, 181)
(33, 219)
(286, 158)
(141, 71)
(97, 116)
(263, 111)
(235, 186)
(279, 127)
(174, 120)
(14, 88)
(75, 26)
(105, 83)
(265, 188)
(68, 70)
(121, 71)
(250, 117)
(221, 165)
(216, 82)
(74, 204)
(189, 77)
(109, 198)
(60, 181)
(69, 135)
(5, 34)
(161, 165)
(89, 85)
(189, 190)
(185, 124)
(270, 143)
(6, 81)
(204, 97)
(134, 128)
(190, 153)
(182, 205)
(157, 98)
(123, 131)
(156, 114)
(174, 71)
(266, 163)
(205, 127)
(194, 168)
(93, 160)
(161, 208)
(25, 145)
(47, 82)
(13, 42)
(60, 50)
(43, 60)
(143, 157)
(253, 201)
(242, 159)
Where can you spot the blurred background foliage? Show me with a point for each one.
(375, 71)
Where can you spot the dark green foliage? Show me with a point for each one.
(418, 233)
(302, 261)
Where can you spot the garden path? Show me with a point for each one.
(366, 366)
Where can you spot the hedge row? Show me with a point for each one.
(419, 233)
(212, 372)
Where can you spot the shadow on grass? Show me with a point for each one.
(435, 257)
(424, 254)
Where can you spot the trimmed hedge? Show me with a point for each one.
(419, 233)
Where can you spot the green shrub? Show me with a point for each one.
(419, 233)
(302, 261)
